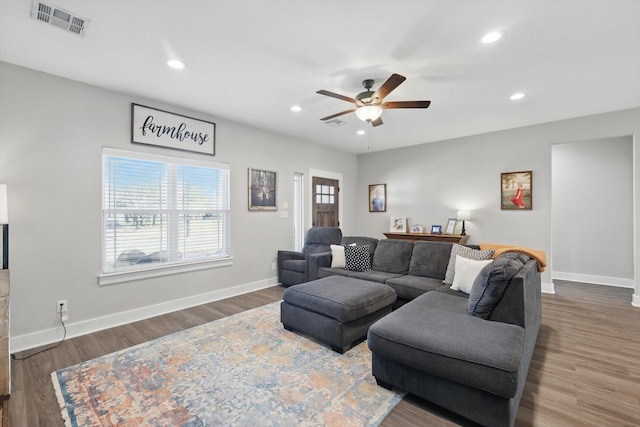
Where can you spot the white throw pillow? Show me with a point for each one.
(466, 272)
(337, 256)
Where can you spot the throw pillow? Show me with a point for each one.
(337, 256)
(357, 258)
(466, 272)
(492, 281)
(465, 252)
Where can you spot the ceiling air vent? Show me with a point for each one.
(58, 17)
(335, 123)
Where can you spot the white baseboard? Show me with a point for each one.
(548, 288)
(49, 336)
(596, 280)
(635, 301)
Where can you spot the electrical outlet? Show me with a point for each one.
(61, 306)
(273, 266)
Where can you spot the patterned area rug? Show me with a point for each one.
(242, 370)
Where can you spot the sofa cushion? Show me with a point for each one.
(435, 334)
(392, 256)
(492, 281)
(373, 276)
(361, 241)
(466, 272)
(337, 256)
(328, 271)
(357, 258)
(430, 259)
(410, 287)
(466, 252)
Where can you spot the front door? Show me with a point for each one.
(325, 202)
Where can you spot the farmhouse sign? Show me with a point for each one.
(162, 128)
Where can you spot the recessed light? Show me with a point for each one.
(296, 108)
(175, 64)
(516, 96)
(491, 37)
(361, 132)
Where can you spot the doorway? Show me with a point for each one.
(325, 202)
(592, 211)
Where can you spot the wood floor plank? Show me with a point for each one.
(585, 369)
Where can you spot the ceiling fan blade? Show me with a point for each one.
(336, 95)
(338, 114)
(392, 82)
(377, 122)
(406, 104)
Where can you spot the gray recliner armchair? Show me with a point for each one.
(293, 266)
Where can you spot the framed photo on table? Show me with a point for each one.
(436, 229)
(398, 224)
(451, 226)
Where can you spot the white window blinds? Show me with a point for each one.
(159, 210)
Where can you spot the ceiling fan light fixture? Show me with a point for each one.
(368, 113)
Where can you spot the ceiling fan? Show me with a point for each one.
(369, 105)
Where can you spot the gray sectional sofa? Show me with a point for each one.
(445, 346)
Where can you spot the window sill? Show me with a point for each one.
(128, 276)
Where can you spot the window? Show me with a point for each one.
(325, 194)
(159, 211)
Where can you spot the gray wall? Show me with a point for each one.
(429, 182)
(52, 131)
(592, 211)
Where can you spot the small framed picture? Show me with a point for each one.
(417, 228)
(378, 198)
(436, 229)
(262, 190)
(398, 224)
(451, 225)
(516, 192)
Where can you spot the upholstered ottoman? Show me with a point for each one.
(335, 310)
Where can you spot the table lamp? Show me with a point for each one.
(464, 216)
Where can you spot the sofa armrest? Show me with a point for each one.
(285, 256)
(314, 262)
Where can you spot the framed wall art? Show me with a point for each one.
(170, 130)
(516, 190)
(262, 190)
(398, 224)
(378, 198)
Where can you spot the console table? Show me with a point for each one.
(414, 237)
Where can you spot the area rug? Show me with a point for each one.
(242, 370)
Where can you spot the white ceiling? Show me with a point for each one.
(249, 61)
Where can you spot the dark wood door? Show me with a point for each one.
(325, 202)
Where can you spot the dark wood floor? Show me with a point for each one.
(585, 370)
